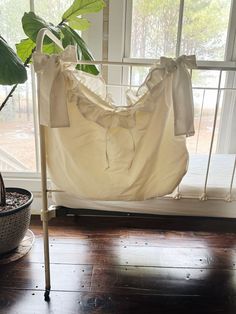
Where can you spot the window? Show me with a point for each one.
(155, 26)
(18, 121)
(141, 30)
(205, 28)
(171, 28)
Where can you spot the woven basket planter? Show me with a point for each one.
(14, 223)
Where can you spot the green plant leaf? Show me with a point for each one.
(24, 48)
(67, 37)
(80, 7)
(12, 68)
(71, 37)
(32, 24)
(51, 49)
(79, 23)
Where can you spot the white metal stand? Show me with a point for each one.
(48, 213)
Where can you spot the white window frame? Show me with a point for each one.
(120, 19)
(120, 22)
(226, 139)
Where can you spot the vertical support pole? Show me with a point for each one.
(130, 76)
(200, 120)
(177, 195)
(45, 212)
(203, 197)
(42, 155)
(229, 197)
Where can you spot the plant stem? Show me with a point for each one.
(61, 23)
(10, 94)
(27, 61)
(2, 191)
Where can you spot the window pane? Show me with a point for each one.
(205, 90)
(204, 110)
(155, 23)
(205, 26)
(154, 28)
(17, 145)
(17, 148)
(11, 13)
(52, 10)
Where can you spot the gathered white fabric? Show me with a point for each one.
(100, 151)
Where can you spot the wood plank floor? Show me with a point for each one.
(127, 265)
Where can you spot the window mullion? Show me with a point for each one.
(230, 51)
(225, 141)
(35, 114)
(32, 5)
(180, 27)
(128, 28)
(34, 105)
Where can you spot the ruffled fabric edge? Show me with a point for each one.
(99, 106)
(97, 109)
(159, 71)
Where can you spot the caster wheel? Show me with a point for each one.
(46, 295)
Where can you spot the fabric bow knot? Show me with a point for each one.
(171, 65)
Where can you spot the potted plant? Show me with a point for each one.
(15, 202)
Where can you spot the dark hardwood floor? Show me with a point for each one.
(127, 265)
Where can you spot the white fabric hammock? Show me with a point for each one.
(99, 151)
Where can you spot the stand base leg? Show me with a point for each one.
(46, 295)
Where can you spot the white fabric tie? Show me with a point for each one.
(52, 87)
